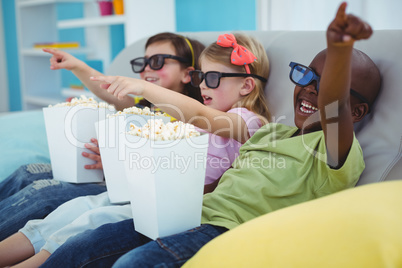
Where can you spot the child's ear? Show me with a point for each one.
(359, 110)
(248, 86)
(187, 79)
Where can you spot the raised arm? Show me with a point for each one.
(63, 60)
(335, 84)
(179, 106)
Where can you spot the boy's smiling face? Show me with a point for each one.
(305, 100)
(365, 80)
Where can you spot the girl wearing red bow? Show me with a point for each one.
(232, 80)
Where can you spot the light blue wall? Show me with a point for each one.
(76, 10)
(65, 12)
(10, 38)
(117, 39)
(191, 15)
(215, 15)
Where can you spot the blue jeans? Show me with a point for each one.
(24, 176)
(103, 246)
(33, 195)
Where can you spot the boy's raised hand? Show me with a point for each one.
(61, 59)
(347, 28)
(341, 63)
(120, 86)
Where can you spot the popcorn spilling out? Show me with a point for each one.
(156, 130)
(139, 111)
(84, 101)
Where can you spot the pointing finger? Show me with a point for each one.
(341, 13)
(107, 79)
(49, 50)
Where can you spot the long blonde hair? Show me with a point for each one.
(255, 101)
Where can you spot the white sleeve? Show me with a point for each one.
(39, 231)
(90, 220)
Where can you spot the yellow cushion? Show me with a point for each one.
(360, 227)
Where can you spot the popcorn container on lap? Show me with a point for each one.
(108, 137)
(68, 128)
(166, 181)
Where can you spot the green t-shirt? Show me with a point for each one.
(275, 170)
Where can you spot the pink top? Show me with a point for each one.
(223, 151)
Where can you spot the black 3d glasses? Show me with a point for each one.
(155, 62)
(212, 78)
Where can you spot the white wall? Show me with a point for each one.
(149, 17)
(317, 14)
(3, 73)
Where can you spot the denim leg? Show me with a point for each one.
(97, 248)
(37, 200)
(24, 176)
(170, 251)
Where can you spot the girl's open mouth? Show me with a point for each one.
(207, 99)
(151, 79)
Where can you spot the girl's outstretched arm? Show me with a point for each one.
(63, 60)
(179, 106)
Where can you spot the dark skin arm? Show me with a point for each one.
(334, 97)
(209, 188)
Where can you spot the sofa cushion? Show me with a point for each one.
(23, 141)
(359, 227)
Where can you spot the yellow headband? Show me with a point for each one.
(192, 51)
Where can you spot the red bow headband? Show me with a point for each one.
(240, 55)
